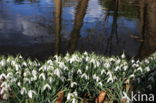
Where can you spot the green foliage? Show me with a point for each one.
(78, 75)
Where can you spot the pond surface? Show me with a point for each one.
(41, 28)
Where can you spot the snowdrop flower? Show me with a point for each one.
(125, 96)
(73, 84)
(85, 53)
(146, 61)
(57, 72)
(87, 67)
(100, 83)
(132, 76)
(125, 68)
(34, 72)
(111, 78)
(132, 61)
(23, 91)
(47, 86)
(117, 68)
(3, 62)
(118, 61)
(69, 95)
(79, 71)
(84, 75)
(140, 69)
(96, 78)
(42, 76)
(2, 76)
(112, 59)
(31, 93)
(24, 64)
(147, 69)
(73, 58)
(107, 65)
(123, 56)
(19, 84)
(87, 59)
(5, 96)
(27, 80)
(103, 71)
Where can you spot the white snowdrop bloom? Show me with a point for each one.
(85, 53)
(117, 68)
(73, 59)
(2, 76)
(3, 62)
(46, 86)
(118, 61)
(5, 96)
(123, 56)
(93, 61)
(87, 67)
(146, 61)
(107, 65)
(19, 84)
(42, 76)
(112, 59)
(4, 90)
(147, 69)
(26, 73)
(73, 84)
(125, 96)
(31, 93)
(95, 77)
(132, 76)
(79, 71)
(50, 79)
(132, 61)
(75, 93)
(34, 72)
(100, 83)
(27, 80)
(140, 69)
(97, 63)
(110, 78)
(74, 100)
(149, 86)
(5, 85)
(125, 68)
(135, 65)
(24, 64)
(13, 80)
(49, 62)
(84, 75)
(138, 61)
(87, 58)
(13, 63)
(103, 71)
(57, 72)
(69, 95)
(17, 67)
(23, 91)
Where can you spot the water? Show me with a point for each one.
(42, 28)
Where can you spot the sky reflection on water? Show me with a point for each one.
(40, 28)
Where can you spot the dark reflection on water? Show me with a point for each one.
(41, 28)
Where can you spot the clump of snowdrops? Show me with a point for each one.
(79, 76)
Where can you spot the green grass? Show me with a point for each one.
(80, 76)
